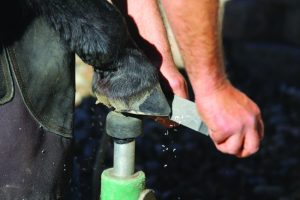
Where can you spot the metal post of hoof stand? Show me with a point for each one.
(122, 182)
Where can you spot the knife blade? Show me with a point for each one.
(185, 112)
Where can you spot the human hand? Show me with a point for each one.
(234, 121)
(174, 80)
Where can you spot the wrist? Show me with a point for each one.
(207, 84)
(207, 72)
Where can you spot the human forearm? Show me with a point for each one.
(234, 121)
(146, 15)
(196, 28)
(148, 20)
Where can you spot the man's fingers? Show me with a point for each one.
(226, 132)
(181, 93)
(253, 138)
(174, 81)
(251, 144)
(243, 143)
(179, 87)
(217, 137)
(232, 145)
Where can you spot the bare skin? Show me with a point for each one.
(234, 120)
(149, 22)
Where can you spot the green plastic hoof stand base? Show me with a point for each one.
(117, 188)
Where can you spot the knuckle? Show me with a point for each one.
(178, 82)
(219, 136)
(256, 110)
(229, 130)
(253, 149)
(216, 137)
(221, 149)
(229, 149)
(223, 127)
(251, 120)
(232, 151)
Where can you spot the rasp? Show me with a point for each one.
(184, 112)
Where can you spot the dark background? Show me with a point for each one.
(262, 50)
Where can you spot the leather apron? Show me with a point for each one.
(36, 114)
